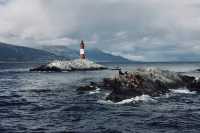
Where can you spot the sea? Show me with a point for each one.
(45, 102)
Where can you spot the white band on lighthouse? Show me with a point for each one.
(82, 51)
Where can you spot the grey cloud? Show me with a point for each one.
(146, 30)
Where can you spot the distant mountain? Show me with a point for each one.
(101, 56)
(63, 51)
(18, 53)
(92, 54)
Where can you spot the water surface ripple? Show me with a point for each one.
(49, 102)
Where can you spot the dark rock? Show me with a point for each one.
(194, 86)
(43, 68)
(128, 89)
(198, 70)
(87, 69)
(87, 88)
(91, 87)
(187, 79)
(152, 82)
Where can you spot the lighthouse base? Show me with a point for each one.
(73, 65)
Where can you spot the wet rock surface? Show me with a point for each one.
(152, 82)
(44, 68)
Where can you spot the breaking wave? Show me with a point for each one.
(95, 91)
(143, 98)
(182, 91)
(146, 98)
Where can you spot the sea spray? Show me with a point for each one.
(183, 91)
(142, 98)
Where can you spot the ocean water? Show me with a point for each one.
(49, 102)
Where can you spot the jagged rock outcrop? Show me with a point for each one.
(73, 65)
(153, 82)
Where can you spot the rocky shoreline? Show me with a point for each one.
(152, 82)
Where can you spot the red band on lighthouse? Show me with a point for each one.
(82, 51)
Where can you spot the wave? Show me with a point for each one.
(182, 91)
(142, 98)
(14, 70)
(147, 98)
(95, 91)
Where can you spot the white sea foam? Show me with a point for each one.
(182, 91)
(196, 78)
(95, 91)
(143, 98)
(105, 102)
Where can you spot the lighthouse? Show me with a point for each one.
(82, 50)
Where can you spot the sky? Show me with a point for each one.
(141, 30)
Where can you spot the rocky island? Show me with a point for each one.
(81, 64)
(152, 82)
(72, 65)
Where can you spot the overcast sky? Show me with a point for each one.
(145, 30)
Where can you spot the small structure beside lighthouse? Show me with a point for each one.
(82, 50)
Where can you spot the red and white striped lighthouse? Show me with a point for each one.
(82, 51)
